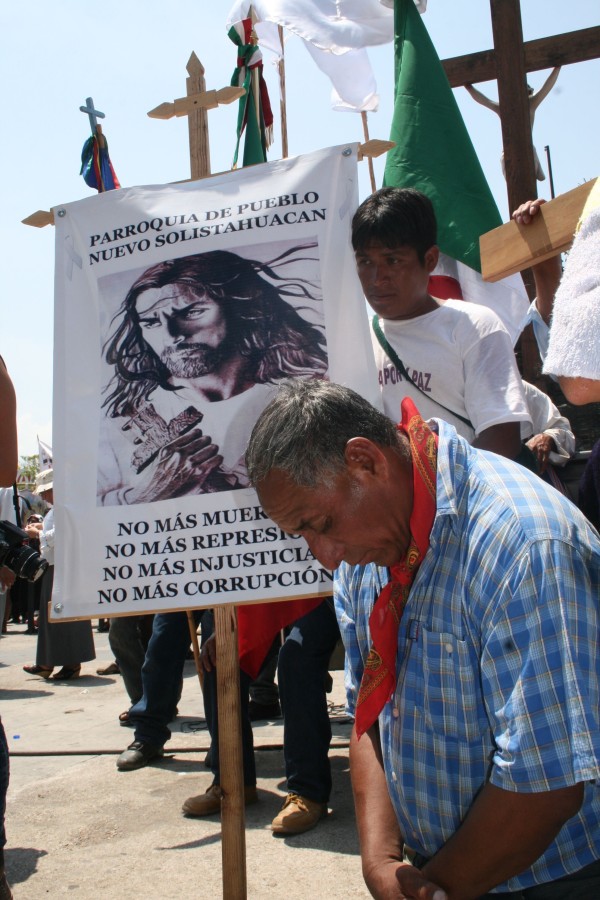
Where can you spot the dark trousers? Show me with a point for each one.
(129, 637)
(212, 717)
(581, 885)
(302, 671)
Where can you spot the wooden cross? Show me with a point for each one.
(93, 114)
(508, 63)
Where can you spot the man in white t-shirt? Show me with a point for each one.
(197, 346)
(455, 360)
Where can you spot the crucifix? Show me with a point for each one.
(508, 63)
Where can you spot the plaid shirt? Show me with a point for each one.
(498, 657)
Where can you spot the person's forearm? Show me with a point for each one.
(504, 439)
(378, 829)
(502, 835)
(546, 276)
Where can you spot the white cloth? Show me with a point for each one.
(461, 355)
(333, 25)
(546, 419)
(227, 422)
(47, 537)
(574, 346)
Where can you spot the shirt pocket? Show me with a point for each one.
(452, 701)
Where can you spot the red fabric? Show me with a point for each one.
(258, 623)
(379, 678)
(444, 287)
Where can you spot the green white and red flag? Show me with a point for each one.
(435, 155)
(254, 115)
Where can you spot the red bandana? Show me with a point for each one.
(379, 678)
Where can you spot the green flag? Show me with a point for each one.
(433, 151)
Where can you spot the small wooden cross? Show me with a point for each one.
(93, 114)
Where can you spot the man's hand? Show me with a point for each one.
(394, 880)
(415, 886)
(182, 467)
(526, 212)
(208, 654)
(542, 445)
(7, 578)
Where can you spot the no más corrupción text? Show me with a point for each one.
(211, 572)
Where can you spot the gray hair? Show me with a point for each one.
(305, 428)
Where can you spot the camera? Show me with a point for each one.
(17, 555)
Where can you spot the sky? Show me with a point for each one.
(131, 55)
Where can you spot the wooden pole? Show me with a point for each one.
(517, 139)
(282, 101)
(233, 835)
(365, 123)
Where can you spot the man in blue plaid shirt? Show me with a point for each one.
(480, 775)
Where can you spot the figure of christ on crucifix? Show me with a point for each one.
(535, 98)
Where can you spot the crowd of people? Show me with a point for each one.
(466, 592)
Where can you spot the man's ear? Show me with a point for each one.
(361, 454)
(431, 258)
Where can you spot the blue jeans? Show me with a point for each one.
(161, 680)
(302, 670)
(4, 772)
(161, 677)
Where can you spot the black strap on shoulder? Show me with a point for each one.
(385, 344)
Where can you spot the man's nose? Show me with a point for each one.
(174, 328)
(379, 274)
(329, 553)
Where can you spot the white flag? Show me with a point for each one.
(335, 33)
(45, 455)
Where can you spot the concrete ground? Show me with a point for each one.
(76, 827)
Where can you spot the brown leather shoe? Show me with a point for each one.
(210, 802)
(298, 814)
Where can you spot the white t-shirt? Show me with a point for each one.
(461, 355)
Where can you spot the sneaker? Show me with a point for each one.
(210, 802)
(258, 711)
(138, 755)
(298, 814)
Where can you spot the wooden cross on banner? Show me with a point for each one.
(508, 63)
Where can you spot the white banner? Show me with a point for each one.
(178, 309)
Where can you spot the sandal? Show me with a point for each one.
(42, 671)
(66, 673)
(124, 719)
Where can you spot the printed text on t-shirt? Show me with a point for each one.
(392, 375)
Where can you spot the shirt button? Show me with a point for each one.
(395, 712)
(394, 777)
(448, 648)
